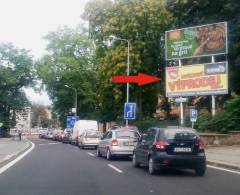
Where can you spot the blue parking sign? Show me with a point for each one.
(71, 121)
(193, 115)
(130, 111)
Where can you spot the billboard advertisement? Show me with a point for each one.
(206, 40)
(195, 80)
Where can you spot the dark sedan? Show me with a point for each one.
(176, 147)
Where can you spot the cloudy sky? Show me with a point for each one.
(25, 22)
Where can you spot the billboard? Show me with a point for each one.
(195, 80)
(206, 40)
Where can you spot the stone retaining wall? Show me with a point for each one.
(233, 137)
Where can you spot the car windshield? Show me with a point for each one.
(126, 134)
(180, 134)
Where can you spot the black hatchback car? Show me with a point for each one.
(172, 147)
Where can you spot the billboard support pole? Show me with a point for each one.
(213, 97)
(181, 103)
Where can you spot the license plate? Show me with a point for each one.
(182, 149)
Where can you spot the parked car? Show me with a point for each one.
(176, 147)
(89, 138)
(80, 126)
(67, 138)
(114, 127)
(43, 134)
(118, 142)
(49, 135)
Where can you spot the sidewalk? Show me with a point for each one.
(10, 148)
(224, 156)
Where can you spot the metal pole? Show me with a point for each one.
(213, 97)
(128, 67)
(181, 103)
(75, 104)
(128, 72)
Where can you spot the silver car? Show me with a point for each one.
(89, 138)
(119, 142)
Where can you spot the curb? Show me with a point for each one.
(223, 165)
(29, 145)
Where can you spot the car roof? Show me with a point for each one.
(180, 128)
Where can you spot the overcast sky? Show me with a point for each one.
(25, 22)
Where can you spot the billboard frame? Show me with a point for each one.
(166, 32)
(194, 65)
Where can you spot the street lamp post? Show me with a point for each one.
(128, 67)
(75, 100)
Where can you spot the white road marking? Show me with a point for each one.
(48, 144)
(115, 168)
(91, 154)
(7, 166)
(223, 169)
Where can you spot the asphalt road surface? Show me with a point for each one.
(54, 168)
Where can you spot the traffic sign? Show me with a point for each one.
(179, 100)
(71, 121)
(193, 115)
(130, 111)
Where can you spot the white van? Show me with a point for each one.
(80, 126)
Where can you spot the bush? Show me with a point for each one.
(227, 120)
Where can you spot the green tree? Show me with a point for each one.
(69, 62)
(143, 23)
(16, 72)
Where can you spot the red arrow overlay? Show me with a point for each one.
(140, 79)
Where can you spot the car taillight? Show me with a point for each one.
(114, 142)
(161, 145)
(200, 145)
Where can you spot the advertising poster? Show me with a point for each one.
(196, 41)
(195, 80)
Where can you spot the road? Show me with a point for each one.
(59, 169)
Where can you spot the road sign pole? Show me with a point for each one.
(128, 72)
(181, 103)
(213, 97)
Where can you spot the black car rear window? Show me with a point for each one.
(179, 134)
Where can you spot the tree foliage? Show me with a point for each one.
(16, 72)
(227, 120)
(69, 62)
(143, 23)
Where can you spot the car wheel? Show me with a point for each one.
(151, 166)
(98, 153)
(109, 156)
(200, 171)
(135, 163)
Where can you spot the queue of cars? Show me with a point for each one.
(158, 148)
